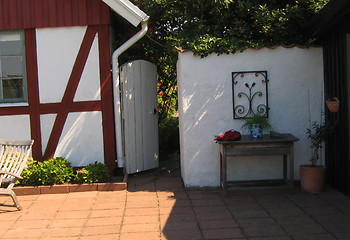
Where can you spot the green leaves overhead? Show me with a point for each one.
(212, 26)
(225, 26)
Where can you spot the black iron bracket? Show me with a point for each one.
(250, 96)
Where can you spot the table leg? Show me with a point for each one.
(285, 169)
(291, 168)
(223, 179)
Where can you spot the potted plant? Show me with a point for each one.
(312, 176)
(333, 104)
(256, 125)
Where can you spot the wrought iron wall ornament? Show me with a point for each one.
(249, 91)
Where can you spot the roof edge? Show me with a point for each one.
(127, 10)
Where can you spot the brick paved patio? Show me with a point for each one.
(157, 206)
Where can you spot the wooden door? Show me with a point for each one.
(140, 117)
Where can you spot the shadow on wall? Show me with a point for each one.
(206, 106)
(81, 141)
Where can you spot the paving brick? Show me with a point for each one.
(343, 227)
(272, 238)
(343, 236)
(31, 224)
(102, 221)
(140, 235)
(175, 203)
(22, 233)
(39, 214)
(4, 225)
(256, 222)
(332, 218)
(207, 202)
(315, 237)
(176, 211)
(142, 204)
(72, 214)
(141, 219)
(194, 234)
(179, 225)
(66, 223)
(98, 237)
(250, 213)
(107, 213)
(295, 220)
(286, 212)
(62, 232)
(140, 227)
(222, 233)
(264, 231)
(141, 211)
(324, 210)
(80, 195)
(77, 204)
(303, 229)
(210, 224)
(101, 230)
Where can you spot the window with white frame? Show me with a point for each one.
(13, 84)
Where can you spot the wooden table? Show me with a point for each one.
(264, 146)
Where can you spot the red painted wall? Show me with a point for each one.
(24, 14)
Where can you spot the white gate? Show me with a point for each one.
(139, 114)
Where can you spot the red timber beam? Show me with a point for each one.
(33, 92)
(70, 91)
(107, 98)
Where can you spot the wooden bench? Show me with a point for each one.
(13, 159)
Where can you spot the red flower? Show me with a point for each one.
(151, 30)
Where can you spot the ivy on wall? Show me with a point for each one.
(212, 26)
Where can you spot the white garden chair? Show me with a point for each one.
(13, 159)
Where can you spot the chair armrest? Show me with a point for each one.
(11, 174)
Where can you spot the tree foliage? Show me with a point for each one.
(213, 26)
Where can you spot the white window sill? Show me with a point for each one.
(18, 104)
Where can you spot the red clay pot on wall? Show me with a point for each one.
(312, 178)
(333, 105)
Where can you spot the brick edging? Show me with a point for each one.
(68, 188)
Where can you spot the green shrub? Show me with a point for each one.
(50, 172)
(93, 173)
(168, 136)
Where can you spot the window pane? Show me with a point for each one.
(11, 67)
(10, 48)
(12, 88)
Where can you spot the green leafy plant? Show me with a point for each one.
(168, 136)
(257, 119)
(93, 173)
(50, 172)
(318, 134)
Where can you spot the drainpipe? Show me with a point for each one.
(116, 89)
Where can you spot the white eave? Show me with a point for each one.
(127, 10)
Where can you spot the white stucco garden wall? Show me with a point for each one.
(206, 109)
(81, 141)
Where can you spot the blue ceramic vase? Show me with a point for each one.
(255, 130)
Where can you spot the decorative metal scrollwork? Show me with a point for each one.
(249, 94)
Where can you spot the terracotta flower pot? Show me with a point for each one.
(333, 105)
(312, 178)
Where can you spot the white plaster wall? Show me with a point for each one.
(57, 49)
(205, 109)
(15, 127)
(81, 141)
